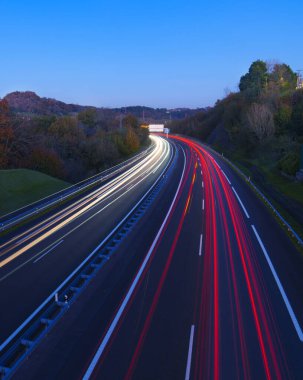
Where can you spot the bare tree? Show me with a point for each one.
(260, 121)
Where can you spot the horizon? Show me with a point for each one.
(171, 55)
(109, 107)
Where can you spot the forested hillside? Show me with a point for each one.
(260, 128)
(261, 124)
(28, 103)
(67, 147)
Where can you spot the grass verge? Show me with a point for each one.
(20, 187)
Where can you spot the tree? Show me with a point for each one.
(64, 126)
(132, 140)
(65, 136)
(283, 78)
(283, 118)
(88, 117)
(47, 161)
(260, 121)
(255, 80)
(130, 121)
(297, 113)
(6, 133)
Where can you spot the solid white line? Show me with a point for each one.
(44, 254)
(117, 317)
(242, 205)
(217, 163)
(278, 282)
(200, 246)
(52, 295)
(190, 351)
(226, 177)
(203, 204)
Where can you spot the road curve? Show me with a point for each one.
(207, 286)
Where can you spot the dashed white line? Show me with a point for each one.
(202, 184)
(51, 249)
(190, 352)
(203, 204)
(200, 245)
(226, 176)
(281, 289)
(242, 205)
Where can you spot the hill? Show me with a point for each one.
(30, 103)
(260, 128)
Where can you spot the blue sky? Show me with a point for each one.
(155, 53)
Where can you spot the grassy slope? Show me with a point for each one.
(290, 188)
(21, 186)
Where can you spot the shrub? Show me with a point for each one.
(289, 164)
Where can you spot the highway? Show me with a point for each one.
(31, 257)
(206, 285)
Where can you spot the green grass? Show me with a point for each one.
(290, 188)
(20, 187)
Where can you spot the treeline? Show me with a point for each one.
(263, 120)
(67, 147)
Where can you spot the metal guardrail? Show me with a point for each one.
(260, 193)
(27, 336)
(25, 212)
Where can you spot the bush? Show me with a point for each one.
(289, 164)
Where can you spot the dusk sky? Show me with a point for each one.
(155, 53)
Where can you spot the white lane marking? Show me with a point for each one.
(200, 246)
(201, 172)
(202, 184)
(52, 295)
(242, 205)
(217, 163)
(203, 204)
(44, 254)
(226, 177)
(278, 282)
(190, 351)
(121, 309)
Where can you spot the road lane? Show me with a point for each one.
(21, 275)
(218, 315)
(92, 318)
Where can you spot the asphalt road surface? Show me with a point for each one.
(206, 286)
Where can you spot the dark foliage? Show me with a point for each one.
(262, 121)
(68, 147)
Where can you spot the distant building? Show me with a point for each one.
(156, 128)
